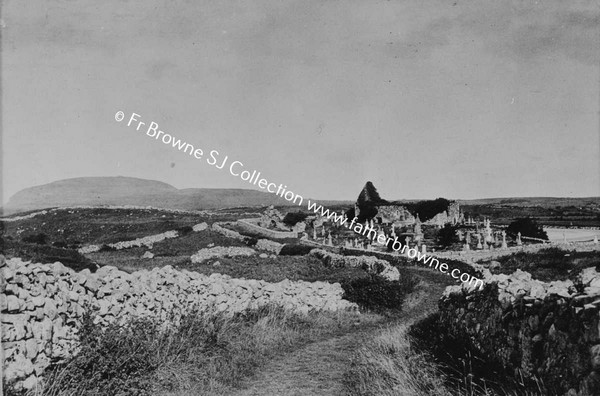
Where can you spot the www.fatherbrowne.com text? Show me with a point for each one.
(237, 169)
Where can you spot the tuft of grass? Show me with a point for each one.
(388, 365)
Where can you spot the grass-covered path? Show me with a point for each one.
(319, 367)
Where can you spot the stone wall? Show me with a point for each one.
(221, 251)
(262, 244)
(42, 305)
(147, 241)
(473, 256)
(370, 264)
(247, 225)
(549, 330)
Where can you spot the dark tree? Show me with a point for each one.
(350, 213)
(446, 236)
(428, 209)
(527, 227)
(292, 218)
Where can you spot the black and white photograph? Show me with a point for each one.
(300, 198)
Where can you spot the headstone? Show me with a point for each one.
(596, 239)
(423, 249)
(479, 246)
(519, 243)
(315, 234)
(329, 240)
(466, 247)
(504, 245)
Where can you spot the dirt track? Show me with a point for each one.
(318, 368)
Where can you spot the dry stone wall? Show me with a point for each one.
(262, 244)
(370, 264)
(147, 241)
(42, 305)
(221, 251)
(247, 225)
(549, 330)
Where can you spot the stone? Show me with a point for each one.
(13, 303)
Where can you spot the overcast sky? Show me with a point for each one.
(460, 99)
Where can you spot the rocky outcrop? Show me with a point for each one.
(42, 305)
(370, 264)
(549, 330)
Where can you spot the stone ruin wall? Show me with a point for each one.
(42, 305)
(545, 329)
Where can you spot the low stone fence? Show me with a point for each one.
(267, 233)
(147, 241)
(42, 305)
(549, 330)
(221, 251)
(262, 244)
(472, 256)
(370, 264)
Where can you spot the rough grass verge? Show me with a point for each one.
(388, 365)
(208, 353)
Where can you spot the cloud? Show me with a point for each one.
(522, 32)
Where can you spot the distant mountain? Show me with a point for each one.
(132, 191)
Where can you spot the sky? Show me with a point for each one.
(426, 99)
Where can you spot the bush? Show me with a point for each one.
(428, 209)
(250, 241)
(292, 218)
(295, 250)
(378, 294)
(446, 236)
(184, 230)
(60, 244)
(528, 227)
(106, 248)
(40, 239)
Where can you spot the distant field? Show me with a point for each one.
(571, 234)
(103, 225)
(562, 216)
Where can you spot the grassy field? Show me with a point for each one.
(587, 215)
(98, 226)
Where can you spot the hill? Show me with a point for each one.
(97, 191)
